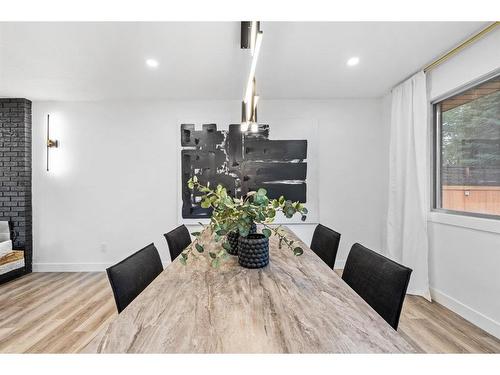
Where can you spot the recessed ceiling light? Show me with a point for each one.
(152, 63)
(353, 61)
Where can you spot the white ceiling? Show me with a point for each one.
(202, 60)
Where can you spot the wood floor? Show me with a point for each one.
(61, 312)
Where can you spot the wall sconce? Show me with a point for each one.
(50, 142)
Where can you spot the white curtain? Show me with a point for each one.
(408, 183)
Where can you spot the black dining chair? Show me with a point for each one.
(325, 243)
(177, 240)
(381, 282)
(133, 274)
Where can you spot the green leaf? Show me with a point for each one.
(212, 255)
(298, 251)
(258, 199)
(183, 261)
(305, 211)
(266, 232)
(205, 203)
(221, 232)
(195, 179)
(244, 230)
(282, 199)
(199, 248)
(195, 234)
(262, 192)
(215, 263)
(226, 246)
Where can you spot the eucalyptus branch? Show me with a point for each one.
(238, 214)
(196, 244)
(297, 250)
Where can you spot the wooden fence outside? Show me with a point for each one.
(477, 199)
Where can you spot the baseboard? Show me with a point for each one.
(74, 267)
(475, 317)
(70, 267)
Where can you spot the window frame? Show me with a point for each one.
(436, 191)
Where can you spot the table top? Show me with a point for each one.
(294, 305)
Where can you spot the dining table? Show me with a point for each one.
(296, 304)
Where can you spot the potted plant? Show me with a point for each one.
(236, 218)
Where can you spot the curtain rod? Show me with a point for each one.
(461, 46)
(452, 52)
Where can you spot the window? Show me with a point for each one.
(467, 150)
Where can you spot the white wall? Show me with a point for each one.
(112, 187)
(464, 254)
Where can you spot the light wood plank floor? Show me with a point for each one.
(61, 312)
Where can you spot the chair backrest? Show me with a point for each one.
(325, 243)
(133, 274)
(177, 240)
(381, 282)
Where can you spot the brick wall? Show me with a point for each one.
(15, 171)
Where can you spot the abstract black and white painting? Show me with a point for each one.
(241, 162)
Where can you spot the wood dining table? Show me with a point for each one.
(296, 304)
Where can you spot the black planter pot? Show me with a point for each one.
(232, 238)
(253, 251)
(253, 229)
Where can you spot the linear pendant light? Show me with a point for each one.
(251, 38)
(253, 67)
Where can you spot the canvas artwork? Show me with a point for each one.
(241, 162)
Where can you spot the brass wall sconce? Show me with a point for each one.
(50, 142)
